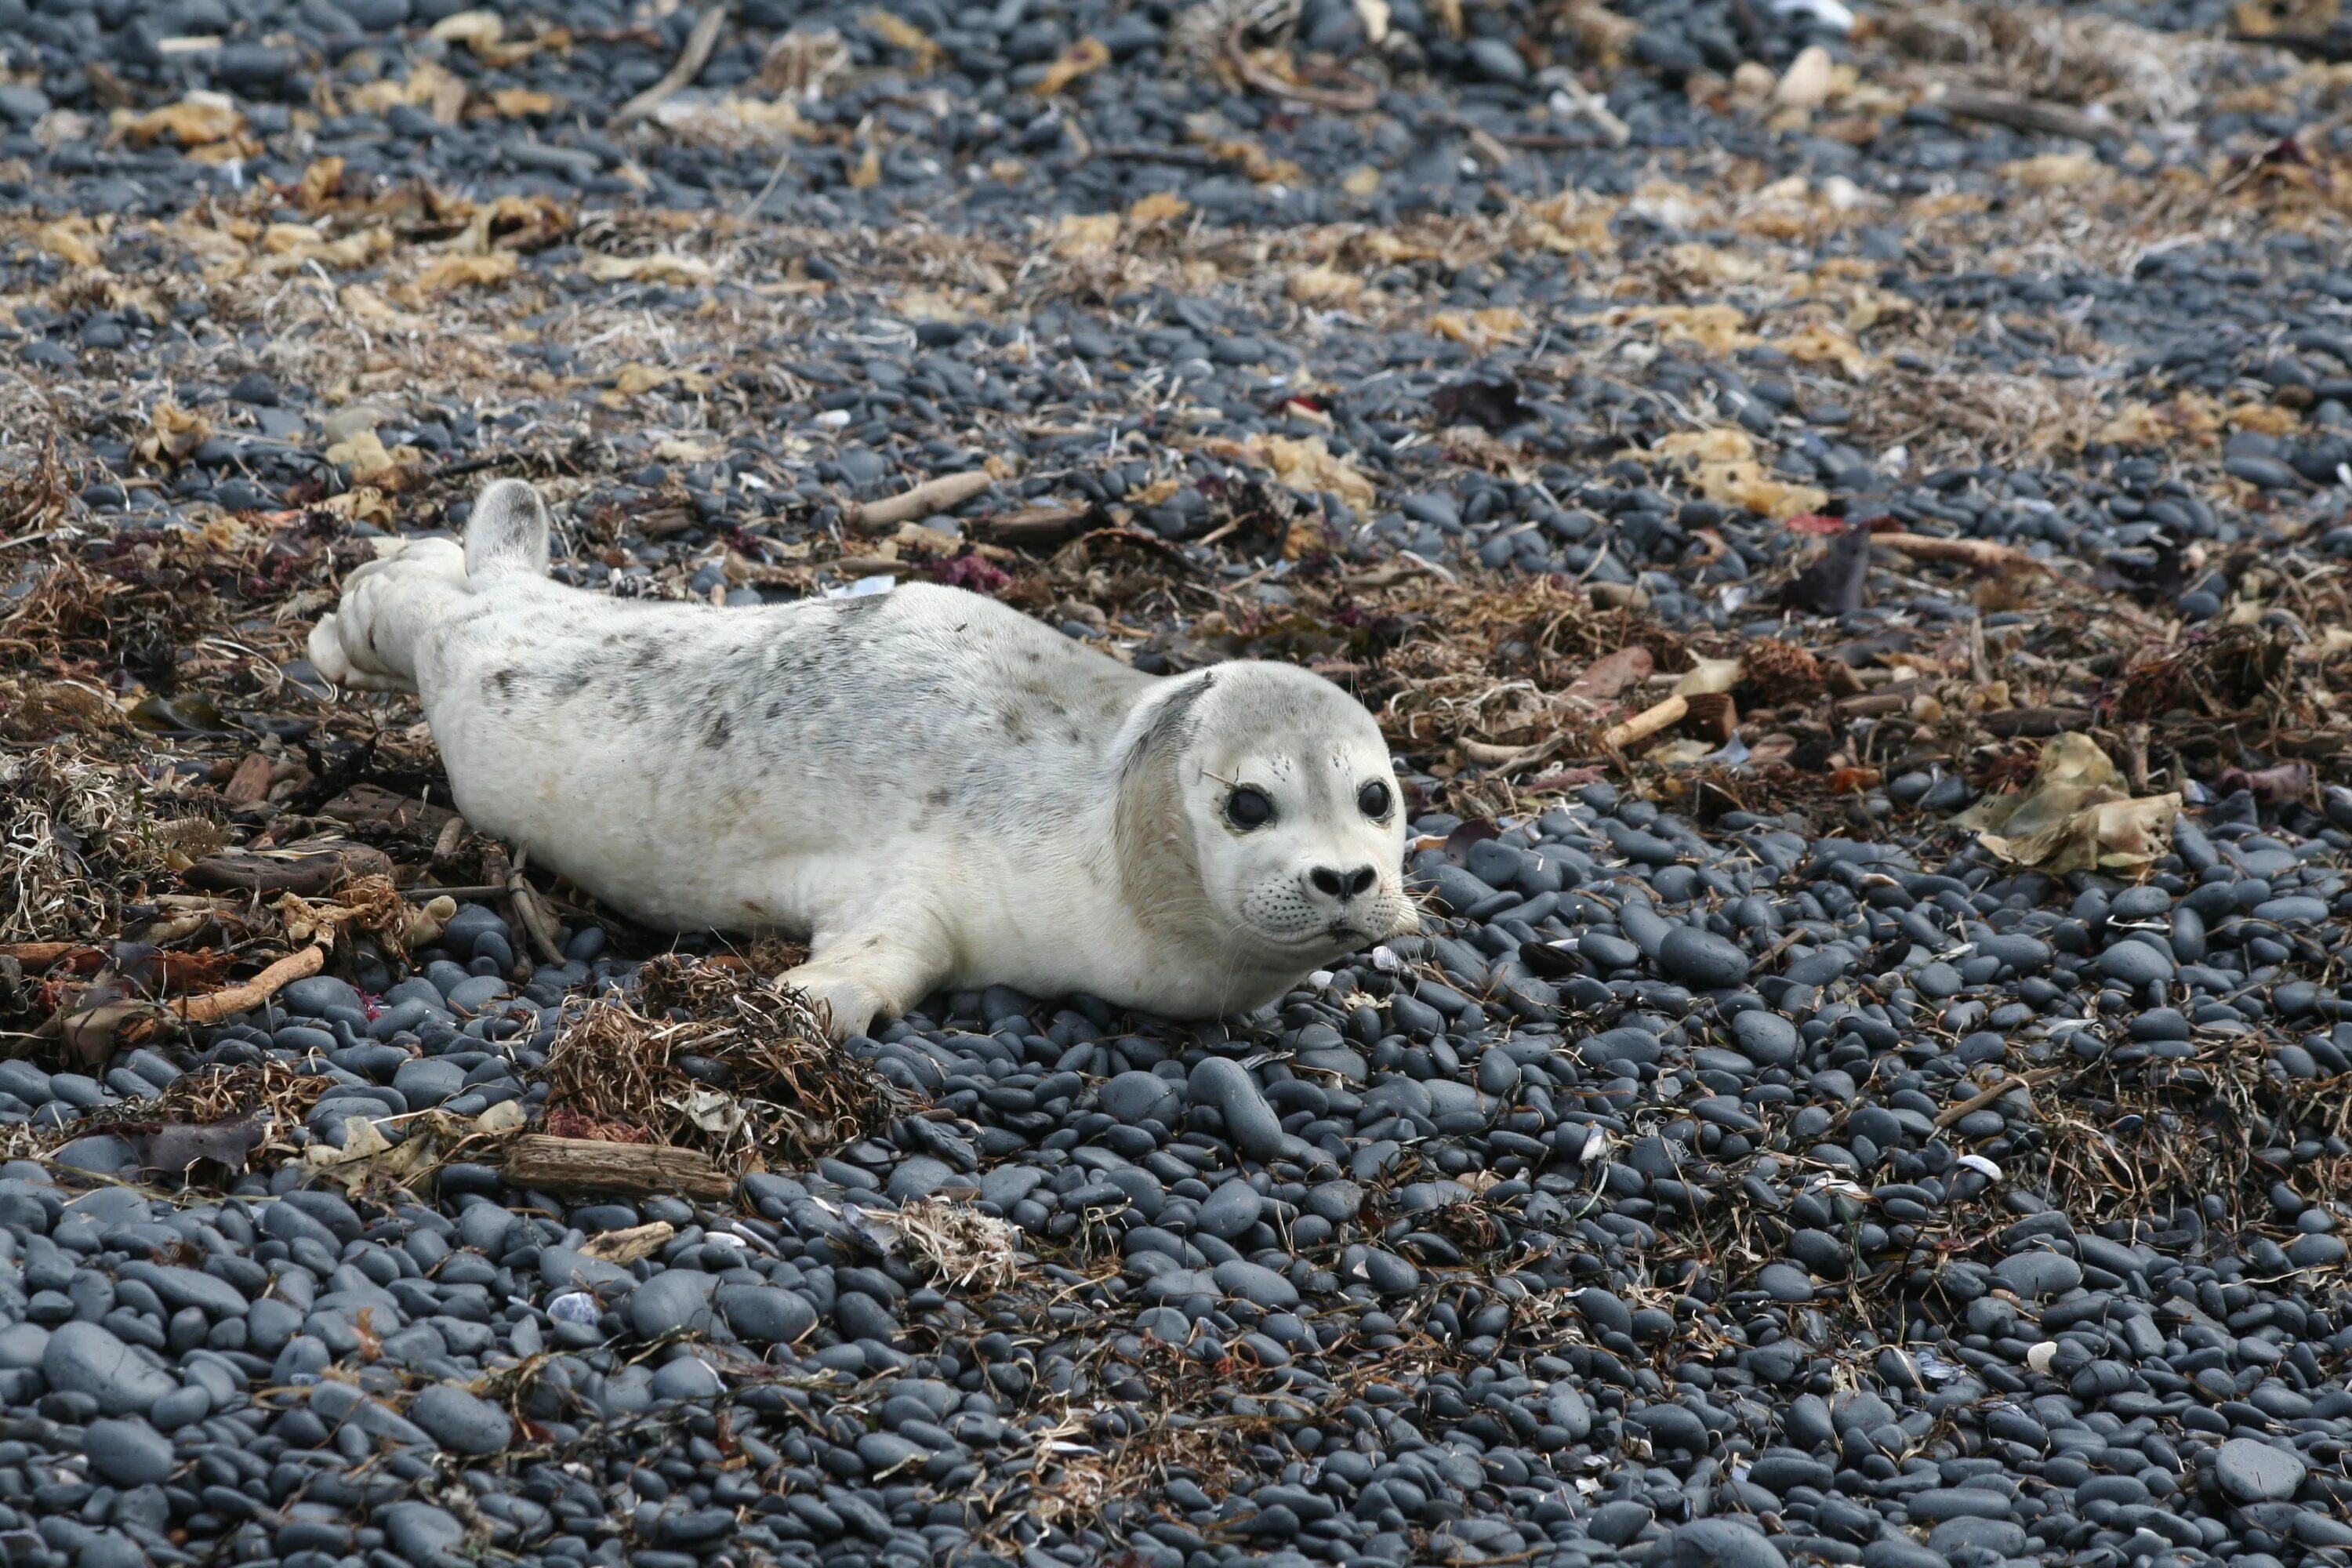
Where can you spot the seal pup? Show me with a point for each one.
(929, 787)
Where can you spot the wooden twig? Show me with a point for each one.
(1645, 724)
(2011, 723)
(2028, 115)
(930, 496)
(690, 61)
(1984, 554)
(214, 1005)
(1951, 1114)
(588, 1164)
(537, 923)
(453, 832)
(1591, 106)
(1355, 99)
(2136, 758)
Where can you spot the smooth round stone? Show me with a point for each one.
(461, 1421)
(419, 1532)
(1230, 1210)
(1786, 1283)
(766, 1314)
(311, 997)
(1255, 1283)
(1616, 1523)
(2037, 1276)
(1607, 951)
(918, 1175)
(1766, 1038)
(426, 1081)
(1721, 1544)
(1250, 1123)
(687, 1379)
(1702, 960)
(2315, 1251)
(1937, 1504)
(476, 992)
(2250, 1470)
(86, 1358)
(861, 1317)
(128, 1452)
(2136, 963)
(1137, 1096)
(1388, 1273)
(671, 1303)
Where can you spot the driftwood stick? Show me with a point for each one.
(1354, 99)
(588, 1164)
(2028, 115)
(1951, 1114)
(1982, 553)
(214, 1005)
(1645, 724)
(930, 496)
(690, 61)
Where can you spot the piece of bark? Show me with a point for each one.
(214, 1005)
(309, 874)
(930, 496)
(1645, 724)
(1714, 715)
(588, 1164)
(371, 806)
(250, 784)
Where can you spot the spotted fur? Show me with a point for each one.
(931, 788)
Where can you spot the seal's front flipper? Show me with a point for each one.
(870, 975)
(372, 640)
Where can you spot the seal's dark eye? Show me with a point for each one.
(1372, 800)
(1247, 808)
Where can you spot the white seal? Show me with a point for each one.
(929, 787)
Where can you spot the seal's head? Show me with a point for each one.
(1276, 786)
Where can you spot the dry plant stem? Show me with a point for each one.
(1645, 724)
(930, 496)
(588, 1164)
(212, 1007)
(2025, 114)
(2136, 758)
(1357, 100)
(472, 894)
(453, 832)
(536, 921)
(36, 954)
(1981, 553)
(1593, 107)
(1979, 1100)
(690, 61)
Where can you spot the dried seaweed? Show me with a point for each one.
(714, 1057)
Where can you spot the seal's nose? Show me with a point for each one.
(1342, 885)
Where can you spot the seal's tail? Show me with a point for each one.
(507, 532)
